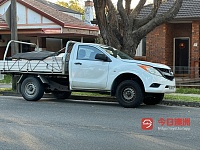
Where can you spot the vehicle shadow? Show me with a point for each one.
(78, 101)
(98, 102)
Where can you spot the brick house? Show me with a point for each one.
(175, 43)
(47, 24)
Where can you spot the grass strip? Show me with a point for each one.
(7, 79)
(181, 98)
(94, 94)
(188, 90)
(6, 89)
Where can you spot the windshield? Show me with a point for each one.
(115, 53)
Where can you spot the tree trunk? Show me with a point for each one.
(108, 23)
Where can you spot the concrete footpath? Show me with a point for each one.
(111, 99)
(3, 85)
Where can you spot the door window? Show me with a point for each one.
(87, 53)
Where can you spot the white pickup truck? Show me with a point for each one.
(89, 67)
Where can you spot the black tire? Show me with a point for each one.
(153, 99)
(61, 94)
(129, 94)
(32, 89)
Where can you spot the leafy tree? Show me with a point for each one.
(121, 27)
(62, 3)
(72, 4)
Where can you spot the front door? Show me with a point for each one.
(181, 56)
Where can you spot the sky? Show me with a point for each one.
(134, 2)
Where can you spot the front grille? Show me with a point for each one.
(167, 73)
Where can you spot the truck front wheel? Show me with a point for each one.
(129, 94)
(153, 99)
(32, 89)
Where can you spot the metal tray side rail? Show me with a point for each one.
(8, 66)
(31, 66)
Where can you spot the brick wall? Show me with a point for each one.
(169, 52)
(182, 30)
(195, 52)
(155, 45)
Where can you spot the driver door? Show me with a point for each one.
(88, 72)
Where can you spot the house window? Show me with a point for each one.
(141, 49)
(25, 47)
(53, 44)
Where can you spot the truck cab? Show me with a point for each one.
(104, 68)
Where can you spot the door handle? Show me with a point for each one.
(78, 63)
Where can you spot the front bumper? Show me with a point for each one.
(163, 85)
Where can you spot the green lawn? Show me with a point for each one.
(188, 91)
(7, 79)
(181, 98)
(95, 94)
(184, 97)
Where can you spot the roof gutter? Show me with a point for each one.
(94, 28)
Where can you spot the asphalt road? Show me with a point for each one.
(80, 125)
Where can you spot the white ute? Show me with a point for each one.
(89, 67)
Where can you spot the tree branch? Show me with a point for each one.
(173, 11)
(128, 6)
(159, 19)
(137, 9)
(112, 12)
(122, 13)
(99, 6)
(153, 13)
(113, 21)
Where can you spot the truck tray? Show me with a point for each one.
(49, 65)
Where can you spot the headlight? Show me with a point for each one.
(151, 70)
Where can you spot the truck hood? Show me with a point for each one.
(157, 65)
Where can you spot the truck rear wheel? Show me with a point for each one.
(32, 89)
(153, 99)
(61, 94)
(129, 94)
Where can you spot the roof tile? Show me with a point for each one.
(190, 9)
(58, 7)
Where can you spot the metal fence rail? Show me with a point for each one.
(186, 72)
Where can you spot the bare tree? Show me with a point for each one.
(121, 27)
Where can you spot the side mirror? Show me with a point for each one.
(102, 57)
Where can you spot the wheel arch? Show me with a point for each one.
(123, 77)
